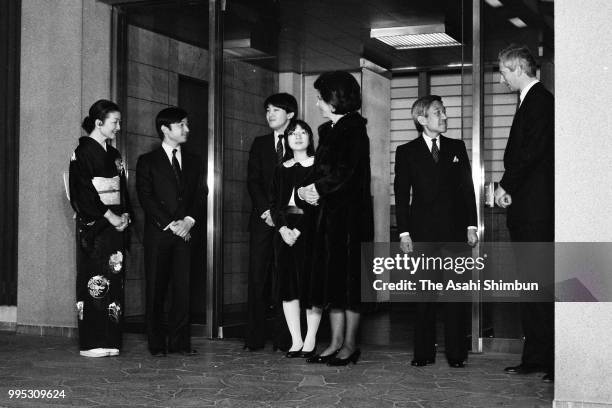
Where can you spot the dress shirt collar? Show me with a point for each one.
(526, 89)
(276, 135)
(168, 149)
(428, 141)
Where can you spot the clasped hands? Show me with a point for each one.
(309, 194)
(181, 228)
(289, 235)
(407, 246)
(120, 222)
(502, 199)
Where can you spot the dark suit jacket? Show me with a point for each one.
(262, 161)
(161, 197)
(529, 159)
(443, 202)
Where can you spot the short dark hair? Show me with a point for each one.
(98, 111)
(282, 100)
(168, 116)
(514, 55)
(420, 108)
(293, 123)
(339, 89)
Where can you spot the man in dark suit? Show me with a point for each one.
(443, 210)
(527, 191)
(266, 153)
(171, 192)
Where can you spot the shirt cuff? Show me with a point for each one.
(404, 234)
(473, 227)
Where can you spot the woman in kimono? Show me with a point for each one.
(98, 194)
(294, 221)
(340, 185)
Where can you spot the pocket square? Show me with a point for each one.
(455, 159)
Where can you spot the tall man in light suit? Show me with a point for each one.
(527, 191)
(443, 210)
(266, 153)
(171, 190)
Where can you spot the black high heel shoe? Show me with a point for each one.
(334, 362)
(294, 354)
(319, 359)
(308, 354)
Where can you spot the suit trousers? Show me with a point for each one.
(260, 281)
(168, 265)
(455, 319)
(537, 318)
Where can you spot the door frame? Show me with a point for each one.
(214, 200)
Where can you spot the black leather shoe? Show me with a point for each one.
(319, 359)
(548, 378)
(335, 362)
(523, 369)
(308, 354)
(158, 352)
(456, 364)
(421, 363)
(294, 354)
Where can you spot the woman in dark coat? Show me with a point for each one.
(340, 185)
(98, 194)
(294, 224)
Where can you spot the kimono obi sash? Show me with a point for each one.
(108, 189)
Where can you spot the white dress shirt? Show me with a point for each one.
(429, 142)
(168, 150)
(525, 90)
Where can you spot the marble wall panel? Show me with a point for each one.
(148, 83)
(141, 116)
(148, 47)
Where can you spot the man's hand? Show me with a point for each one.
(406, 244)
(181, 227)
(502, 199)
(472, 237)
(288, 235)
(267, 217)
(119, 222)
(309, 194)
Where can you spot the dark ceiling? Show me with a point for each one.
(318, 35)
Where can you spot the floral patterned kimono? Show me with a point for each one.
(97, 184)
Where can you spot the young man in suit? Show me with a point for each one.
(171, 191)
(266, 153)
(527, 191)
(443, 210)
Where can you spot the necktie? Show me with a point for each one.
(435, 152)
(279, 150)
(176, 167)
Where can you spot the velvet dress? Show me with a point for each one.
(97, 184)
(293, 264)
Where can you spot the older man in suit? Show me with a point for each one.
(527, 191)
(443, 210)
(266, 153)
(171, 190)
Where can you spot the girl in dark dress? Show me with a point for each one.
(294, 221)
(340, 185)
(98, 194)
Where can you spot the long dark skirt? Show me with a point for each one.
(294, 265)
(101, 260)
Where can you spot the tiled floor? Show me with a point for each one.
(225, 376)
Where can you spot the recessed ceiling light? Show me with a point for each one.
(410, 37)
(494, 3)
(518, 22)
